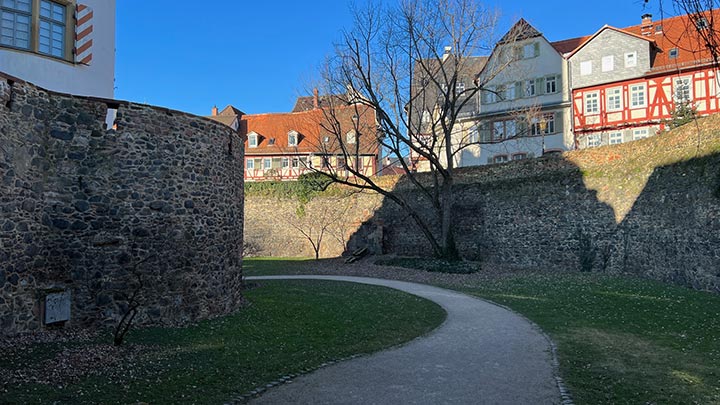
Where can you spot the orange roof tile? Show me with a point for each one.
(312, 126)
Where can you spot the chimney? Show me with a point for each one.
(646, 26)
(316, 99)
(214, 111)
(448, 51)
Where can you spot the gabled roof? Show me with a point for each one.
(519, 31)
(568, 45)
(604, 28)
(307, 103)
(312, 127)
(230, 110)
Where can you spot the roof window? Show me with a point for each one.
(673, 54)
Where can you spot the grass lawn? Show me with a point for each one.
(620, 339)
(289, 327)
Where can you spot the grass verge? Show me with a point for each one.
(620, 339)
(290, 326)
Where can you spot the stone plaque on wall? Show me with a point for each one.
(57, 307)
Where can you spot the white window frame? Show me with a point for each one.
(295, 163)
(510, 129)
(607, 63)
(500, 159)
(530, 50)
(640, 133)
(351, 137)
(593, 140)
(595, 96)
(638, 95)
(292, 138)
(267, 163)
(250, 164)
(686, 82)
(252, 140)
(530, 88)
(551, 85)
(285, 163)
(630, 59)
(519, 156)
(615, 138)
(586, 68)
(473, 135)
(498, 130)
(459, 87)
(614, 98)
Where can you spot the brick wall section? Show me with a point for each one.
(649, 208)
(157, 203)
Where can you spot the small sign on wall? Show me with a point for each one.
(57, 307)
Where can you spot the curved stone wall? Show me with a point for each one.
(150, 213)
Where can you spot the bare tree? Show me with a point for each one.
(328, 219)
(412, 65)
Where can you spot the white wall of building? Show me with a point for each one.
(97, 79)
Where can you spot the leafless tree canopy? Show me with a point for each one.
(416, 65)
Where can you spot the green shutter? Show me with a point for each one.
(540, 86)
(536, 47)
(559, 122)
(519, 90)
(485, 133)
(522, 128)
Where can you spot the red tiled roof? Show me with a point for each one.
(569, 45)
(312, 126)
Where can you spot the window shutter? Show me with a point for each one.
(522, 128)
(83, 34)
(536, 50)
(559, 122)
(540, 86)
(519, 90)
(485, 133)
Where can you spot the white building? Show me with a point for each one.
(66, 46)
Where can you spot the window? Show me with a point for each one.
(341, 163)
(326, 139)
(529, 88)
(285, 163)
(673, 53)
(637, 95)
(615, 138)
(359, 163)
(519, 156)
(271, 141)
(510, 93)
(473, 135)
(608, 63)
(631, 59)
(250, 164)
(640, 133)
(252, 140)
(498, 130)
(295, 163)
(292, 138)
(39, 26)
(351, 137)
(510, 129)
(425, 117)
(586, 68)
(325, 162)
(267, 164)
(702, 23)
(531, 50)
(489, 96)
(459, 87)
(543, 125)
(500, 159)
(551, 84)
(593, 141)
(591, 103)
(683, 90)
(614, 99)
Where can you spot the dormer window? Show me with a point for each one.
(292, 138)
(326, 139)
(271, 141)
(702, 23)
(351, 137)
(252, 140)
(673, 54)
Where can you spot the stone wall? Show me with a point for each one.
(650, 208)
(150, 212)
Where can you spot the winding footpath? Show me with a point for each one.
(481, 354)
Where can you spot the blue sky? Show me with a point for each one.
(259, 55)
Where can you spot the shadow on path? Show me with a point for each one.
(482, 353)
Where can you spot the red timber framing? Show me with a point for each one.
(659, 92)
(297, 165)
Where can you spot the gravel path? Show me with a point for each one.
(482, 354)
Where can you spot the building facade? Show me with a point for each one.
(628, 83)
(66, 46)
(331, 138)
